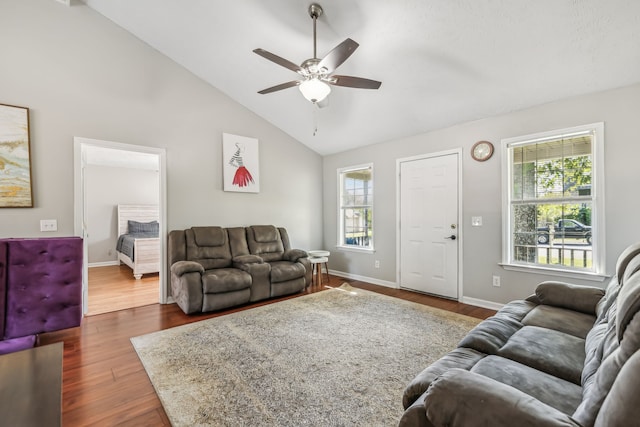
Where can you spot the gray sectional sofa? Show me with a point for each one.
(213, 268)
(566, 356)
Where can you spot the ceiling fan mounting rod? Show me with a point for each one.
(315, 11)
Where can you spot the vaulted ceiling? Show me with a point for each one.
(441, 62)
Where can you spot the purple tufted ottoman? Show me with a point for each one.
(41, 282)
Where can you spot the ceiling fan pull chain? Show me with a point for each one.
(315, 119)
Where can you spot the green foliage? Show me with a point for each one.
(570, 173)
(562, 177)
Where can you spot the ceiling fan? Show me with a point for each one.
(315, 72)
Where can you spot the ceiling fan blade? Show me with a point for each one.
(279, 60)
(280, 87)
(337, 56)
(357, 82)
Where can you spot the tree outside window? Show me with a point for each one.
(552, 200)
(356, 207)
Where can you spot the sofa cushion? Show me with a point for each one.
(516, 310)
(17, 344)
(625, 257)
(264, 241)
(555, 392)
(461, 357)
(628, 303)
(632, 268)
(556, 353)
(44, 285)
(209, 236)
(596, 392)
(566, 295)
(214, 256)
(460, 398)
(3, 284)
(610, 296)
(491, 334)
(622, 403)
(220, 280)
(282, 271)
(560, 319)
(265, 233)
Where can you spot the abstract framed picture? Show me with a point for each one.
(15, 158)
(240, 163)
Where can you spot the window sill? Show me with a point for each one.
(355, 249)
(573, 274)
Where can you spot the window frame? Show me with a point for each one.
(340, 244)
(597, 272)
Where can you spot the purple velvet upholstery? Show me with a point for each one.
(17, 344)
(3, 284)
(43, 285)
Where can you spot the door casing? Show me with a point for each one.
(79, 147)
(460, 233)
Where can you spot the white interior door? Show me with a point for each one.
(429, 239)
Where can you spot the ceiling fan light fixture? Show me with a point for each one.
(314, 90)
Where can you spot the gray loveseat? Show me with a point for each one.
(566, 356)
(213, 268)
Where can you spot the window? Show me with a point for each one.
(554, 202)
(356, 207)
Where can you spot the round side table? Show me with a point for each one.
(317, 259)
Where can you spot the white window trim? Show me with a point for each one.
(339, 244)
(598, 218)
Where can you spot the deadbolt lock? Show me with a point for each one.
(453, 226)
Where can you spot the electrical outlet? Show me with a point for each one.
(377, 263)
(48, 225)
(496, 281)
(476, 221)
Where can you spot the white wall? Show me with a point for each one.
(81, 75)
(481, 250)
(107, 187)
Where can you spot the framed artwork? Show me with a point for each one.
(15, 158)
(240, 163)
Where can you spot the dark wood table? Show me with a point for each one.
(31, 387)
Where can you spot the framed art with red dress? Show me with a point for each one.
(240, 163)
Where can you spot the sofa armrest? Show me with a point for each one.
(294, 255)
(574, 297)
(260, 273)
(462, 398)
(186, 285)
(181, 268)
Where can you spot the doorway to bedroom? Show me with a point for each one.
(117, 186)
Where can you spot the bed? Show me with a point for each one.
(138, 238)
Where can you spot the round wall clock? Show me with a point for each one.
(482, 150)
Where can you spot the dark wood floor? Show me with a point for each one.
(104, 382)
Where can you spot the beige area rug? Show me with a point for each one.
(333, 358)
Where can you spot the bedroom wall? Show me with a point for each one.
(107, 187)
(81, 75)
(482, 190)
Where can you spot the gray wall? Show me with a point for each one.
(107, 187)
(482, 247)
(81, 75)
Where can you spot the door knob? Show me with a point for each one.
(452, 237)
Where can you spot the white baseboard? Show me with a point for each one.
(465, 300)
(482, 303)
(102, 264)
(364, 279)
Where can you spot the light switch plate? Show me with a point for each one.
(476, 221)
